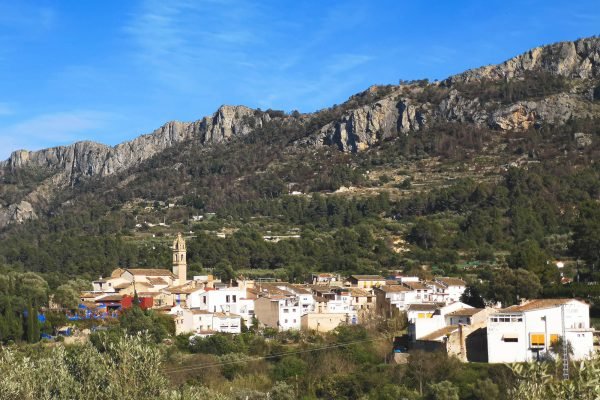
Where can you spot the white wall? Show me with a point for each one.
(546, 321)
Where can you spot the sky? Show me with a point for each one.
(111, 70)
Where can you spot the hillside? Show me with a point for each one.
(436, 173)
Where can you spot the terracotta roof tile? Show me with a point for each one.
(424, 306)
(436, 335)
(451, 281)
(538, 304)
(467, 312)
(368, 277)
(150, 271)
(393, 289)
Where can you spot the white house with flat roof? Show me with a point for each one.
(527, 332)
(202, 322)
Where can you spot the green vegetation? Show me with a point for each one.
(345, 364)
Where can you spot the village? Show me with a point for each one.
(435, 316)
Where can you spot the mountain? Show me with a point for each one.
(544, 88)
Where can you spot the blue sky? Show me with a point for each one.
(111, 70)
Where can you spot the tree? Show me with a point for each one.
(134, 320)
(424, 367)
(66, 296)
(586, 234)
(486, 389)
(32, 325)
(224, 270)
(472, 297)
(509, 286)
(529, 256)
(443, 390)
(425, 234)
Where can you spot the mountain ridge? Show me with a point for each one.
(545, 86)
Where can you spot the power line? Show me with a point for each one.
(251, 359)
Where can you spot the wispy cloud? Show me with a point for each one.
(6, 109)
(53, 128)
(179, 41)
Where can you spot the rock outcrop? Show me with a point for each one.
(68, 164)
(363, 127)
(404, 110)
(17, 213)
(86, 159)
(579, 59)
(377, 114)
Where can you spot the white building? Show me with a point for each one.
(429, 321)
(280, 305)
(217, 300)
(202, 322)
(526, 332)
(453, 288)
(281, 313)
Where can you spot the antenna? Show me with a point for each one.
(565, 345)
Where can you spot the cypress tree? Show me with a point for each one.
(35, 325)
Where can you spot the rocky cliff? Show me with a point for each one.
(406, 109)
(571, 68)
(578, 59)
(91, 159)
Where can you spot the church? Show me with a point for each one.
(162, 285)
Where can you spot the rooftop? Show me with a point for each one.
(150, 272)
(184, 289)
(415, 285)
(466, 312)
(451, 281)
(424, 306)
(440, 333)
(357, 292)
(157, 281)
(539, 304)
(393, 289)
(368, 277)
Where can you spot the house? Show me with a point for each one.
(421, 310)
(431, 321)
(394, 298)
(365, 281)
(361, 300)
(204, 323)
(280, 305)
(457, 329)
(453, 288)
(217, 300)
(528, 331)
(390, 299)
(323, 322)
(419, 292)
(184, 294)
(324, 279)
(278, 312)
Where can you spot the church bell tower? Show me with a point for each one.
(179, 259)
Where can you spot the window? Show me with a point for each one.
(204, 299)
(369, 300)
(537, 340)
(286, 310)
(227, 299)
(234, 298)
(285, 321)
